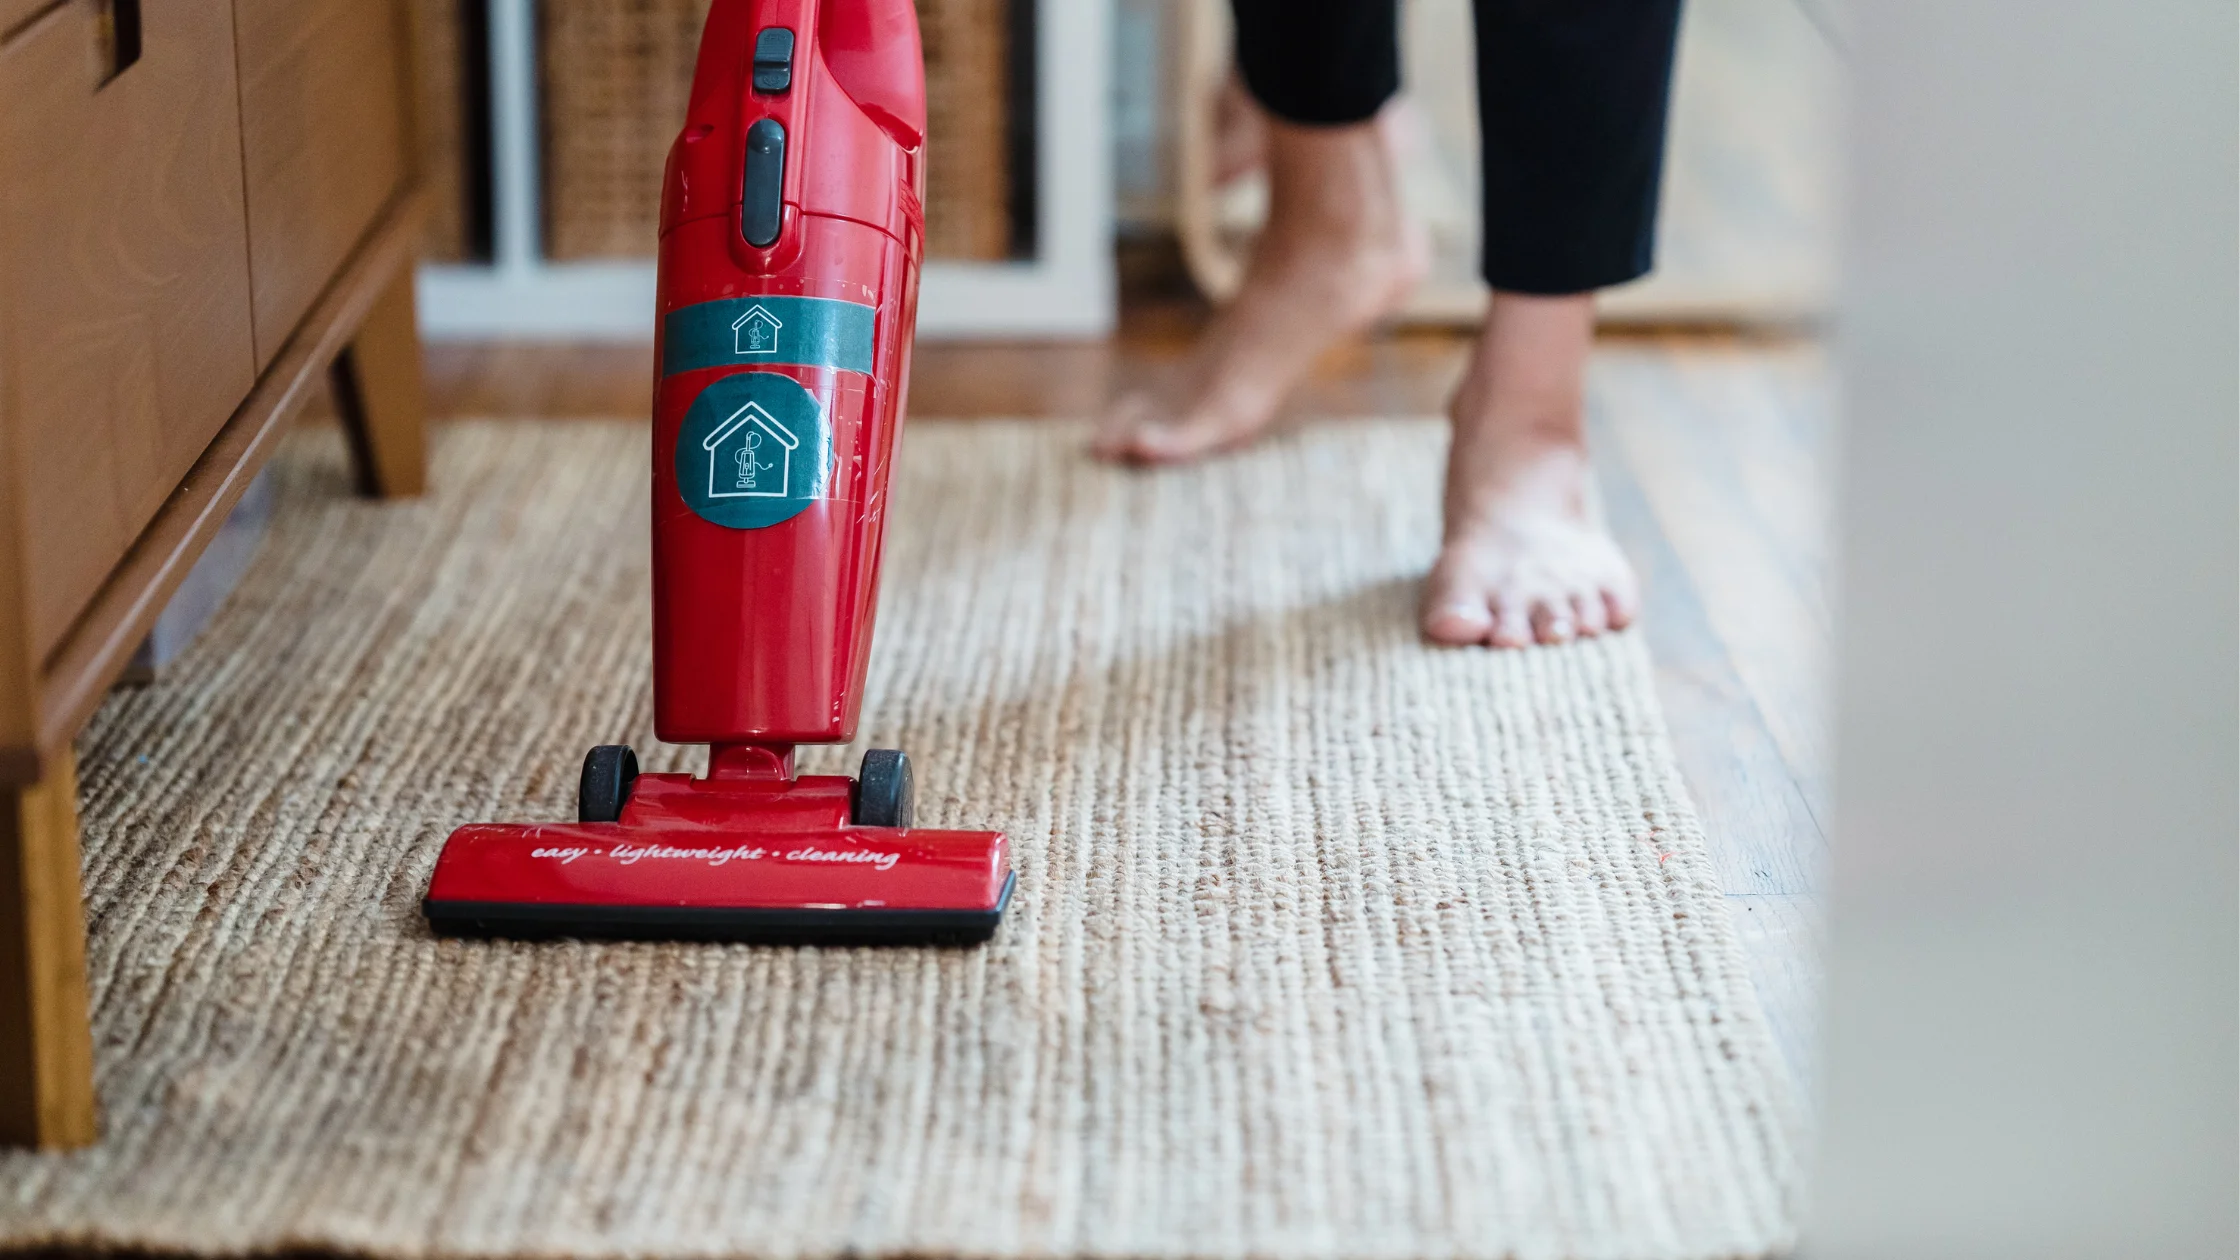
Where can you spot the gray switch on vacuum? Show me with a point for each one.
(773, 61)
(762, 191)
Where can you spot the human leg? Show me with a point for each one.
(1337, 251)
(1572, 98)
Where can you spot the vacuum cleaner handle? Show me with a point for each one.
(781, 79)
(873, 51)
(871, 48)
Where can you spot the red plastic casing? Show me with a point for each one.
(725, 844)
(762, 635)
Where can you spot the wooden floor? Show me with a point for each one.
(1712, 453)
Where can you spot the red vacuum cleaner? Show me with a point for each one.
(791, 229)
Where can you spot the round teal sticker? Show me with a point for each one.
(754, 450)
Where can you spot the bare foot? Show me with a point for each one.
(1337, 253)
(1524, 560)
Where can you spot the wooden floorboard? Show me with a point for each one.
(1781, 938)
(1765, 836)
(1710, 458)
(1757, 580)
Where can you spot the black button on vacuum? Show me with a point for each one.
(762, 190)
(773, 60)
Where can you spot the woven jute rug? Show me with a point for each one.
(1327, 943)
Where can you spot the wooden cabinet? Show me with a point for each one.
(205, 205)
(124, 312)
(324, 127)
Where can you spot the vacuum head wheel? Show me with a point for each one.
(885, 795)
(609, 772)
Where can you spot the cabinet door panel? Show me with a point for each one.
(14, 13)
(323, 139)
(125, 339)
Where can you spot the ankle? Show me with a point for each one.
(1531, 354)
(1518, 416)
(1523, 397)
(1510, 417)
(1334, 188)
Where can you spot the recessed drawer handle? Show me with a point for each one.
(120, 36)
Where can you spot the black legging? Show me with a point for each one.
(1571, 105)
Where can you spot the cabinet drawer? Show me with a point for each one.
(323, 121)
(14, 13)
(125, 337)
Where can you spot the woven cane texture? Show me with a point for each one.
(968, 127)
(1326, 944)
(614, 79)
(439, 108)
(617, 75)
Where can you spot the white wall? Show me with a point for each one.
(2033, 985)
(1143, 35)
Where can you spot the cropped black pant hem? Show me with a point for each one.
(1572, 103)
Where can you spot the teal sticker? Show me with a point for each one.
(754, 450)
(747, 332)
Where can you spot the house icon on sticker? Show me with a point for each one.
(750, 456)
(757, 331)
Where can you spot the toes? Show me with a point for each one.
(1512, 628)
(1621, 600)
(1168, 444)
(1619, 613)
(1454, 607)
(1146, 444)
(1551, 621)
(1459, 622)
(1537, 583)
(1139, 429)
(1122, 424)
(1590, 613)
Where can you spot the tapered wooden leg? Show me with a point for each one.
(378, 390)
(46, 1041)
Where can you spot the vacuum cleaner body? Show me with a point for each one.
(791, 232)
